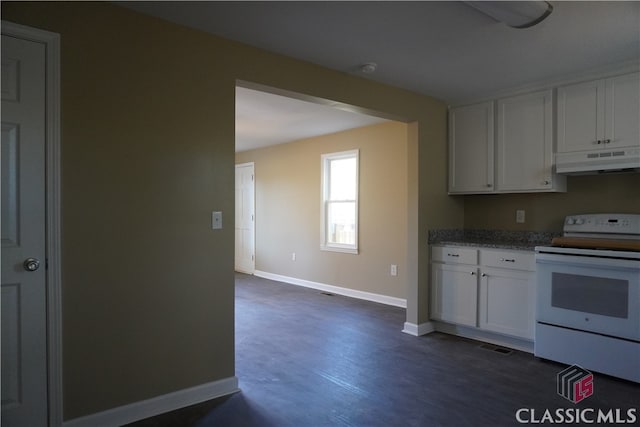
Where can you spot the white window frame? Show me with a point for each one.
(325, 177)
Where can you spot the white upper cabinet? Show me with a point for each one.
(532, 129)
(622, 111)
(522, 144)
(525, 144)
(599, 114)
(471, 142)
(578, 116)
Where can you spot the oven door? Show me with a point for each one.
(589, 294)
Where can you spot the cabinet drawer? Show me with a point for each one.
(508, 259)
(454, 254)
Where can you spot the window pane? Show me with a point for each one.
(341, 222)
(340, 202)
(342, 175)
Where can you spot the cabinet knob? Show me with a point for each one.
(489, 185)
(484, 274)
(599, 142)
(607, 141)
(546, 182)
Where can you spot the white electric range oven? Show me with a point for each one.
(588, 295)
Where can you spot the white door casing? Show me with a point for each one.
(31, 312)
(245, 218)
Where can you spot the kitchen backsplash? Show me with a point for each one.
(546, 211)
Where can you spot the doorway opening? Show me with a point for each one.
(288, 204)
(265, 118)
(287, 198)
(282, 137)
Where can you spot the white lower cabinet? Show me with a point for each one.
(506, 302)
(495, 294)
(455, 293)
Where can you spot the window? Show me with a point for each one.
(340, 202)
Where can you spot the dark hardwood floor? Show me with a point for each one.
(304, 358)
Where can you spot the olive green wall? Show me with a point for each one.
(546, 211)
(147, 154)
(288, 207)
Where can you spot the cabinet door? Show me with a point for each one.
(622, 111)
(525, 142)
(454, 293)
(581, 116)
(507, 302)
(471, 149)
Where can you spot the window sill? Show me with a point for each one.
(353, 251)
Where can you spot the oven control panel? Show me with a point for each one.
(627, 224)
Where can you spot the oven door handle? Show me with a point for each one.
(596, 262)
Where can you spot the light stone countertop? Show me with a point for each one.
(495, 239)
(490, 245)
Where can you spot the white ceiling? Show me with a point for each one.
(264, 119)
(444, 49)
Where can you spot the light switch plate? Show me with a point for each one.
(520, 216)
(216, 220)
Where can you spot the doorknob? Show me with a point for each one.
(31, 264)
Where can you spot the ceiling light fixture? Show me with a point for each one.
(369, 67)
(516, 14)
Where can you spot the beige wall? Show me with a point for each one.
(546, 211)
(288, 210)
(147, 154)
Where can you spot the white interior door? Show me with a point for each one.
(24, 324)
(245, 218)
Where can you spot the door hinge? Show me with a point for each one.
(253, 258)
(252, 178)
(251, 217)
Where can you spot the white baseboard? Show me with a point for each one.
(368, 296)
(418, 330)
(158, 405)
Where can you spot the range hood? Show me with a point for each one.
(598, 161)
